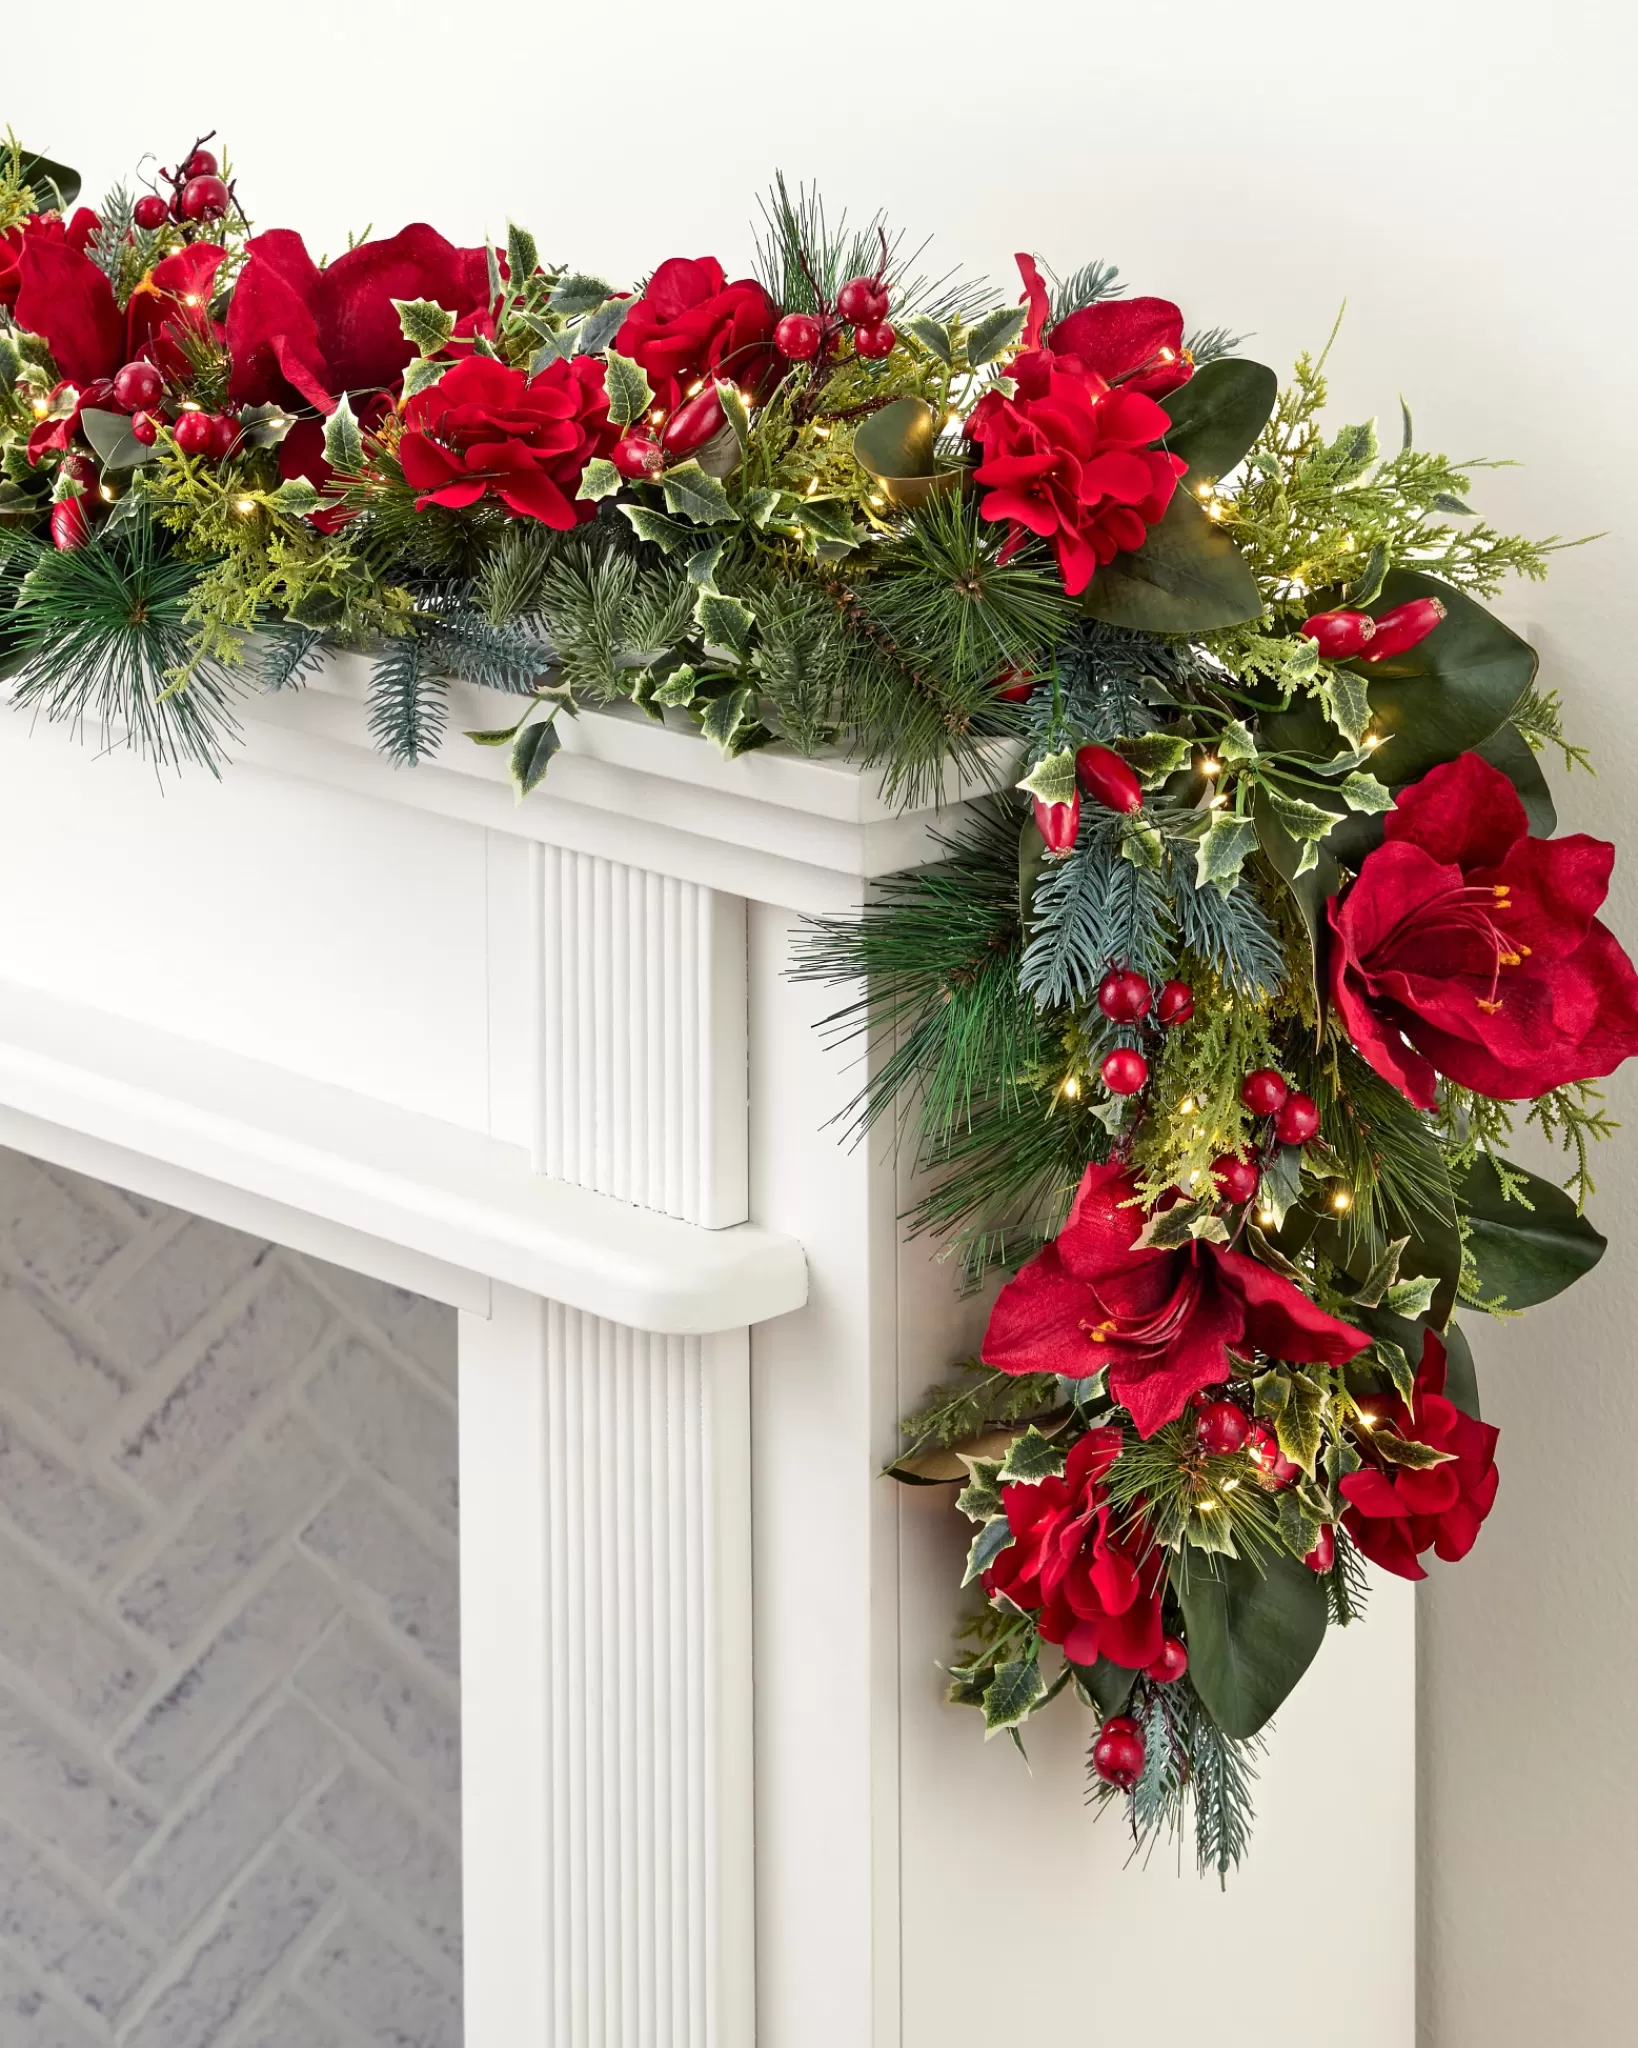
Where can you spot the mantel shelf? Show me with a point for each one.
(456, 1196)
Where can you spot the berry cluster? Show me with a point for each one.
(1125, 997)
(198, 193)
(862, 304)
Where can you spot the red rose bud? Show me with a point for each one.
(874, 343)
(1176, 1003)
(1123, 996)
(204, 198)
(150, 211)
(636, 455)
(1221, 1428)
(1404, 627)
(798, 336)
(1236, 1178)
(70, 526)
(1117, 1755)
(1013, 688)
(1058, 823)
(862, 301)
(693, 423)
(195, 433)
(1263, 1092)
(1170, 1665)
(1124, 1072)
(138, 386)
(1296, 1120)
(1324, 1553)
(1103, 774)
(1339, 635)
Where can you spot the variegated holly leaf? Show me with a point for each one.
(1222, 852)
(1298, 1426)
(599, 479)
(1412, 1297)
(1236, 744)
(1170, 1229)
(986, 1547)
(1364, 793)
(1154, 755)
(426, 326)
(343, 443)
(1032, 1458)
(1011, 1694)
(691, 494)
(1414, 1456)
(1382, 1275)
(1052, 779)
(629, 392)
(665, 533)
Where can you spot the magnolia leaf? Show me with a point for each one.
(1188, 577)
(579, 293)
(1106, 1685)
(1365, 793)
(295, 497)
(1524, 1250)
(532, 753)
(426, 325)
(991, 335)
(723, 716)
(1032, 1458)
(736, 412)
(629, 393)
(986, 1547)
(1382, 1275)
(599, 479)
(421, 375)
(665, 534)
(343, 443)
(934, 336)
(522, 256)
(726, 622)
(760, 505)
(51, 183)
(110, 434)
(1052, 779)
(1154, 755)
(1223, 852)
(1236, 743)
(1508, 750)
(1412, 1297)
(1011, 1693)
(691, 494)
(1310, 887)
(1141, 844)
(1399, 1450)
(1253, 1629)
(1217, 416)
(1298, 1425)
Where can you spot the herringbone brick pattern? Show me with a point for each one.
(229, 1653)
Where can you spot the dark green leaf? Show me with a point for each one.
(532, 753)
(1252, 1632)
(51, 183)
(1508, 750)
(1218, 414)
(1524, 1254)
(110, 434)
(1188, 577)
(1109, 1683)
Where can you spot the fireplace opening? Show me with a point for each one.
(229, 1638)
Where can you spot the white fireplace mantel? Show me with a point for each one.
(544, 1062)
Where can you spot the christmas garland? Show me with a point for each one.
(1214, 1022)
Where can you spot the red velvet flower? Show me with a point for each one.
(1165, 1323)
(1394, 1512)
(43, 227)
(1134, 343)
(1068, 458)
(483, 427)
(1094, 1578)
(298, 333)
(1467, 948)
(691, 324)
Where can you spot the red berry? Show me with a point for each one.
(1170, 1665)
(693, 423)
(1121, 1724)
(1175, 1004)
(637, 455)
(195, 433)
(1297, 1121)
(1324, 1553)
(1013, 688)
(1401, 629)
(144, 428)
(862, 302)
(1339, 635)
(150, 211)
(204, 198)
(1123, 996)
(1117, 1756)
(1124, 1072)
(201, 165)
(138, 386)
(875, 342)
(1274, 1469)
(1263, 1092)
(70, 525)
(1103, 774)
(1222, 1428)
(224, 435)
(799, 336)
(1058, 823)
(1236, 1178)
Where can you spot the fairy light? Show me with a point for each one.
(1366, 1417)
(191, 405)
(821, 433)
(1267, 1218)
(1371, 741)
(813, 485)
(244, 507)
(41, 407)
(877, 498)
(1071, 1088)
(190, 298)
(656, 415)
(1342, 1200)
(951, 419)
(696, 387)
(1217, 802)
(1202, 491)
(1214, 510)
(1211, 765)
(107, 493)
(1186, 1106)
(1229, 1485)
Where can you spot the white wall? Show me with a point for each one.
(1462, 173)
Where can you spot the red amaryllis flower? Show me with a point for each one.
(1068, 458)
(298, 333)
(1134, 343)
(1395, 1512)
(1094, 1578)
(483, 427)
(1467, 948)
(690, 323)
(48, 227)
(1165, 1323)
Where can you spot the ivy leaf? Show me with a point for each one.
(1412, 1297)
(726, 622)
(1141, 844)
(629, 392)
(522, 256)
(295, 497)
(1298, 1424)
(691, 494)
(425, 324)
(986, 1547)
(421, 375)
(1308, 825)
(1012, 1692)
(1032, 1458)
(1154, 755)
(1253, 1630)
(1346, 703)
(1399, 1450)
(532, 753)
(599, 479)
(993, 334)
(1052, 779)
(343, 443)
(665, 534)
(934, 336)
(1223, 852)
(1364, 793)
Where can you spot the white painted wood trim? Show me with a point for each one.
(447, 1194)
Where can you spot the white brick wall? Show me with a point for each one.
(229, 1641)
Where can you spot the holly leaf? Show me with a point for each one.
(677, 690)
(522, 255)
(1181, 1224)
(1253, 1630)
(1236, 744)
(425, 325)
(993, 333)
(1310, 887)
(1395, 1362)
(1222, 852)
(1052, 779)
(726, 622)
(532, 753)
(1352, 451)
(1188, 577)
(343, 443)
(599, 479)
(725, 715)
(1362, 792)
(1032, 1458)
(760, 504)
(980, 1499)
(1298, 1425)
(1526, 1251)
(1382, 1275)
(1412, 1297)
(629, 392)
(826, 519)
(421, 375)
(596, 332)
(691, 494)
(736, 412)
(1218, 414)
(264, 426)
(665, 534)
(1346, 702)
(1141, 844)
(578, 293)
(986, 1547)
(1010, 1695)
(1406, 1451)
(1307, 825)
(296, 497)
(1154, 755)
(934, 336)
